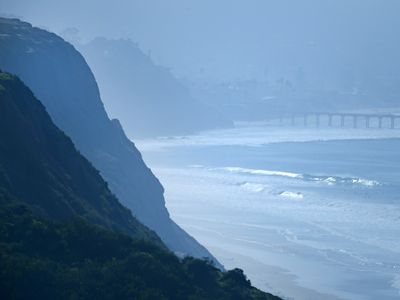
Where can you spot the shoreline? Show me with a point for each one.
(298, 249)
(276, 276)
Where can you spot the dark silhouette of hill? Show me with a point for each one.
(43, 259)
(63, 235)
(58, 75)
(40, 166)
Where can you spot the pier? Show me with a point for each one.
(354, 120)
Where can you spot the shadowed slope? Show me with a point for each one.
(40, 166)
(59, 76)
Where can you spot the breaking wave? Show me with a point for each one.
(330, 180)
(291, 195)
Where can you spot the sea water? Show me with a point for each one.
(308, 213)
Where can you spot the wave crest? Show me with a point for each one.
(330, 180)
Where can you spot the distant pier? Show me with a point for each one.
(355, 120)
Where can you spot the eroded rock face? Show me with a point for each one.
(61, 79)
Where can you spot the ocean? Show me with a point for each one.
(307, 213)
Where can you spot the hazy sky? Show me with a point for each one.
(237, 38)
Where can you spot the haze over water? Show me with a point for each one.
(308, 213)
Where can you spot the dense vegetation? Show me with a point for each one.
(40, 166)
(41, 259)
(63, 235)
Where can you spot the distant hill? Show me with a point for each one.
(146, 98)
(61, 229)
(58, 75)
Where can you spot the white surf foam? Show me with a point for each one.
(365, 182)
(291, 195)
(330, 180)
(396, 283)
(259, 172)
(253, 187)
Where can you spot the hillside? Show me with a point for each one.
(40, 166)
(41, 259)
(63, 235)
(145, 97)
(58, 75)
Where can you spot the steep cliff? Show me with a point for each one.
(145, 97)
(63, 235)
(40, 166)
(59, 76)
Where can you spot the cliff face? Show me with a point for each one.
(40, 166)
(146, 98)
(59, 76)
(51, 199)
